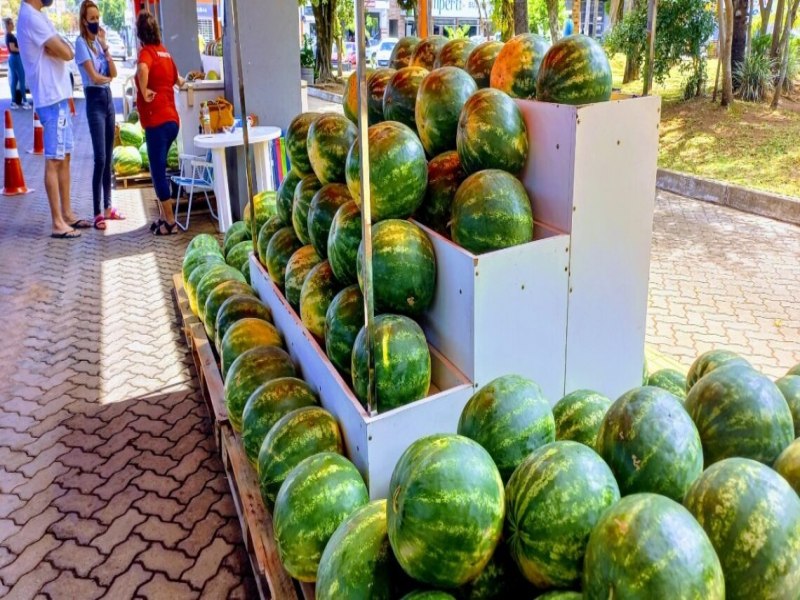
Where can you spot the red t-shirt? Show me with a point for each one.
(163, 74)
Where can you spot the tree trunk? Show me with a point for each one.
(749, 28)
(616, 11)
(765, 10)
(784, 49)
(632, 68)
(576, 16)
(776, 30)
(508, 20)
(739, 40)
(339, 45)
(726, 25)
(521, 17)
(323, 15)
(553, 8)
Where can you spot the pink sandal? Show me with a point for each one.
(100, 222)
(115, 215)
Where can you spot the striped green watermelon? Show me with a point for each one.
(481, 60)
(194, 258)
(243, 335)
(296, 435)
(319, 288)
(265, 234)
(403, 267)
(343, 321)
(376, 86)
(296, 139)
(403, 52)
(740, 412)
(553, 501)
(671, 380)
(238, 307)
(266, 405)
(252, 369)
(217, 298)
(441, 96)
(329, 139)
(126, 160)
(795, 370)
(299, 265)
(428, 595)
(575, 70)
(213, 277)
(265, 203)
(203, 240)
(560, 595)
(350, 96)
(323, 207)
(358, 563)
(510, 418)
(402, 362)
(708, 361)
(239, 254)
(400, 95)
(651, 443)
(454, 53)
(144, 156)
(344, 238)
(445, 511)
(517, 65)
(752, 517)
(398, 171)
(499, 580)
(198, 272)
(789, 386)
(316, 497)
(491, 211)
(578, 416)
(491, 133)
(788, 465)
(279, 250)
(237, 232)
(303, 194)
(647, 546)
(286, 196)
(426, 50)
(131, 134)
(445, 175)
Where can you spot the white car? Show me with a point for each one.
(384, 51)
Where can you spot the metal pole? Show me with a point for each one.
(366, 207)
(652, 12)
(424, 25)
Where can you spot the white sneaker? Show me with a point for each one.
(14, 106)
(27, 105)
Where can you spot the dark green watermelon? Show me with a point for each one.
(296, 138)
(303, 194)
(343, 321)
(795, 370)
(752, 517)
(403, 267)
(237, 232)
(708, 361)
(319, 288)
(441, 96)
(789, 386)
(788, 465)
(344, 238)
(213, 277)
(510, 418)
(428, 595)
(403, 52)
(194, 258)
(517, 65)
(269, 229)
(239, 254)
(329, 139)
(199, 271)
(560, 595)
(323, 207)
(426, 50)
(279, 250)
(578, 416)
(299, 265)
(454, 53)
(243, 335)
(400, 95)
(499, 580)
(575, 70)
(239, 307)
(481, 60)
(671, 380)
(376, 87)
(286, 197)
(203, 240)
(265, 203)
(740, 412)
(445, 175)
(647, 546)
(350, 96)
(216, 298)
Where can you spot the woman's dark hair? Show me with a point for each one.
(147, 29)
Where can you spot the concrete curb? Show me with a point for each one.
(315, 92)
(765, 204)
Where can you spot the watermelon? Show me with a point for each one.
(752, 517)
(499, 580)
(740, 412)
(398, 171)
(344, 239)
(265, 406)
(671, 380)
(350, 96)
(491, 133)
(173, 158)
(240, 306)
(402, 362)
(491, 211)
(303, 194)
(217, 298)
(283, 244)
(454, 53)
(296, 139)
(403, 267)
(376, 86)
(213, 277)
(299, 265)
(651, 443)
(788, 465)
(265, 234)
(196, 256)
(708, 361)
(560, 595)
(795, 370)
(445, 511)
(126, 160)
(553, 501)
(403, 52)
(239, 254)
(296, 435)
(266, 206)
(133, 117)
(575, 70)
(237, 232)
(323, 207)
(343, 321)
(131, 135)
(647, 546)
(203, 240)
(428, 595)
(481, 60)
(252, 369)
(400, 96)
(510, 418)
(200, 270)
(441, 96)
(285, 199)
(517, 65)
(578, 416)
(319, 288)
(426, 50)
(314, 499)
(243, 335)
(358, 563)
(789, 386)
(329, 139)
(144, 156)
(445, 175)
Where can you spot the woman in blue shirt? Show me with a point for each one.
(97, 72)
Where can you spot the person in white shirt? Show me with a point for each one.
(45, 55)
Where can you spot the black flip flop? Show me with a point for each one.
(81, 224)
(67, 235)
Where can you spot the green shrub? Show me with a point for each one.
(754, 77)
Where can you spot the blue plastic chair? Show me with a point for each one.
(196, 175)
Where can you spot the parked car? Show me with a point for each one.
(349, 57)
(384, 51)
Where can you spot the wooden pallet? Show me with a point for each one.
(138, 180)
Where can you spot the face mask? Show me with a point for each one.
(93, 28)
(47, 3)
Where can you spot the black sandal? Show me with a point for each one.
(170, 229)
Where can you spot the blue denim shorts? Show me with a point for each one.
(57, 124)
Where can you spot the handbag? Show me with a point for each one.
(221, 113)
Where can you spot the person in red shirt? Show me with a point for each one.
(156, 75)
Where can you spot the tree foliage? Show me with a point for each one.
(545, 17)
(503, 18)
(113, 13)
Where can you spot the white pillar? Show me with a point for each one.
(179, 33)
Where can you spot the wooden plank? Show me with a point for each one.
(211, 376)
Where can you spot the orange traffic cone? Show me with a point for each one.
(72, 110)
(38, 135)
(14, 179)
